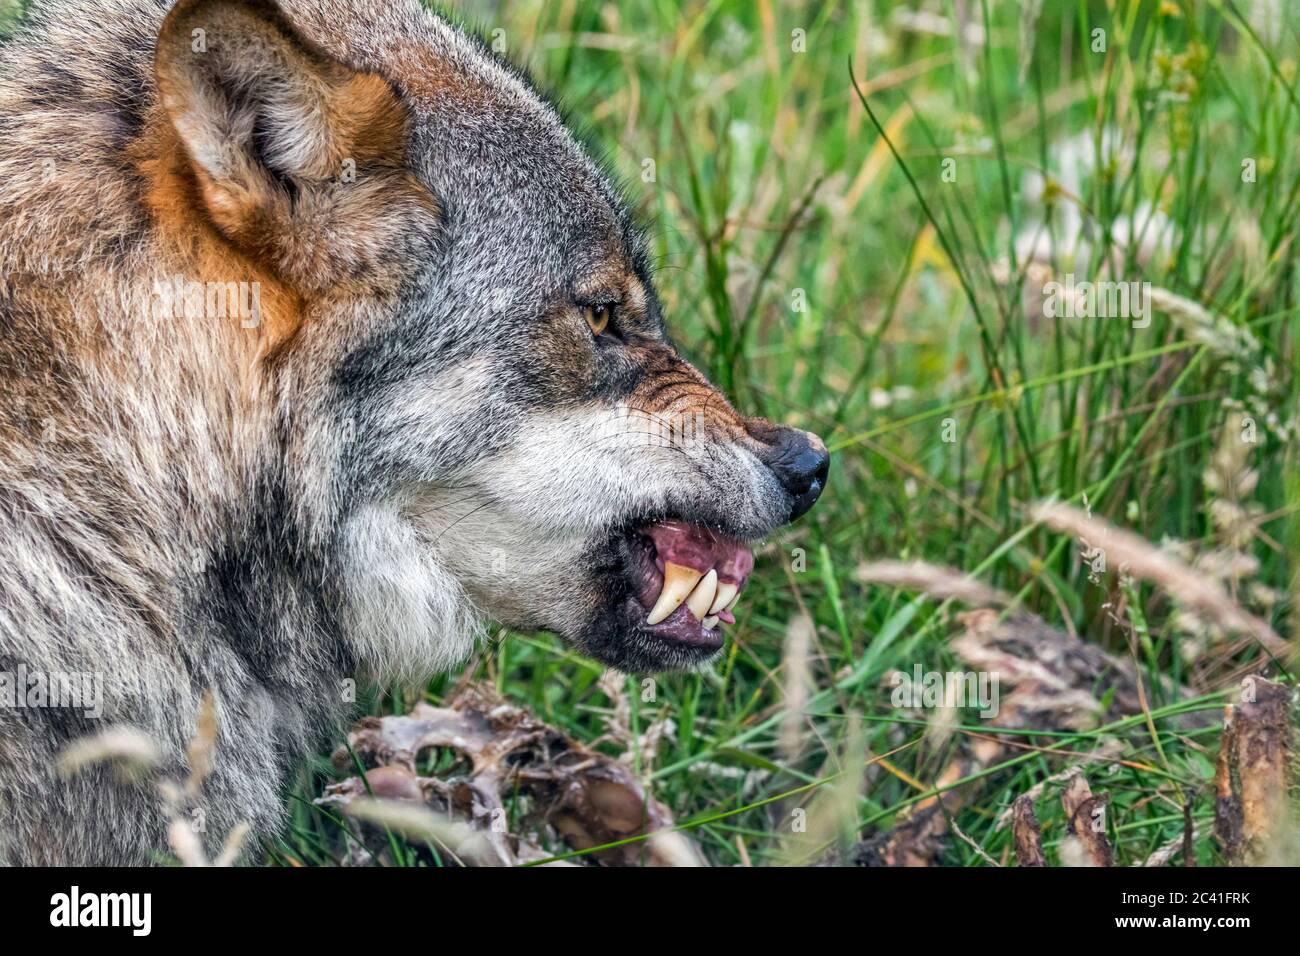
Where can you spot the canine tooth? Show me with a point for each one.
(678, 582)
(726, 593)
(734, 601)
(710, 622)
(701, 598)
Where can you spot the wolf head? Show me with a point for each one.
(457, 351)
(488, 408)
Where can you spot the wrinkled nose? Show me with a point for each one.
(801, 463)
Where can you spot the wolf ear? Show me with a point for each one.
(299, 160)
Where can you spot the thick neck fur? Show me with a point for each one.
(148, 437)
(146, 473)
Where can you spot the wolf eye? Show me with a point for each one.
(598, 317)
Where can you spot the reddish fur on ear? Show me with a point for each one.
(296, 159)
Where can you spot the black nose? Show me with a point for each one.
(801, 463)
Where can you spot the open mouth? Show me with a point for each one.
(687, 579)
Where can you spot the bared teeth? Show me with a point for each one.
(708, 595)
(727, 594)
(710, 622)
(701, 598)
(679, 580)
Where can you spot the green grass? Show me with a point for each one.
(773, 186)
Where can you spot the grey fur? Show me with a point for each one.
(181, 511)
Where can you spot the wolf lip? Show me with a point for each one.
(688, 579)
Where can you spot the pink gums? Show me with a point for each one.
(701, 549)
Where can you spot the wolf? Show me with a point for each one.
(323, 341)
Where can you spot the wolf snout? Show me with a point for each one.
(801, 464)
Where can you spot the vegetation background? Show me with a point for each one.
(888, 293)
(801, 269)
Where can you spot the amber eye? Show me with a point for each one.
(598, 317)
